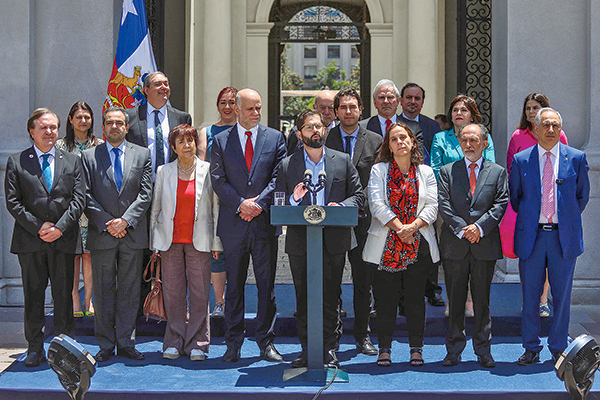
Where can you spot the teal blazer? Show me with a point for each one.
(445, 149)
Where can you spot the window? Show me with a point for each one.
(310, 71)
(354, 52)
(310, 51)
(333, 51)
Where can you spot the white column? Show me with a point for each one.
(424, 50)
(382, 51)
(216, 63)
(257, 68)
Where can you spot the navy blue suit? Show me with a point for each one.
(233, 184)
(555, 250)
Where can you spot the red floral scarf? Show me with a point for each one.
(403, 194)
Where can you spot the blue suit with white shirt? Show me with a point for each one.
(554, 246)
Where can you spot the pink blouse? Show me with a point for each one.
(523, 139)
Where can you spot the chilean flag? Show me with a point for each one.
(134, 58)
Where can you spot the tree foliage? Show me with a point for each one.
(332, 77)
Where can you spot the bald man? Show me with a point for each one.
(243, 164)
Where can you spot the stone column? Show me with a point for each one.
(587, 274)
(424, 48)
(257, 67)
(383, 52)
(216, 63)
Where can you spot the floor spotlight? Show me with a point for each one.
(577, 364)
(73, 365)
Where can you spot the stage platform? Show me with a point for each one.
(505, 300)
(252, 378)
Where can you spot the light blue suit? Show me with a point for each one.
(445, 149)
(556, 250)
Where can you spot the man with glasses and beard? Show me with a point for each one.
(342, 189)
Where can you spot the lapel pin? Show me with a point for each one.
(31, 156)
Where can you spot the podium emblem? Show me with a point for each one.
(314, 214)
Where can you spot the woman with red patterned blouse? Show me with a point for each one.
(401, 240)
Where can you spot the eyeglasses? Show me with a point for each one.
(316, 127)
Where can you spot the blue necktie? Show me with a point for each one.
(118, 169)
(47, 171)
(158, 136)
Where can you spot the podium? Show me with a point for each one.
(315, 218)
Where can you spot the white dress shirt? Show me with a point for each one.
(242, 135)
(164, 123)
(382, 123)
(553, 160)
(39, 155)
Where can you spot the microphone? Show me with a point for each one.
(307, 181)
(322, 181)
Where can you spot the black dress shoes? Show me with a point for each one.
(529, 357)
(131, 353)
(104, 355)
(232, 355)
(451, 360)
(330, 359)
(366, 347)
(436, 300)
(34, 358)
(270, 353)
(301, 361)
(486, 361)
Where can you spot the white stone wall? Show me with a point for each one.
(553, 49)
(52, 53)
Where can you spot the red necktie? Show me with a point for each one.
(473, 178)
(388, 122)
(249, 150)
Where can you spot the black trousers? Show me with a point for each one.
(264, 262)
(457, 275)
(362, 278)
(333, 268)
(36, 269)
(388, 287)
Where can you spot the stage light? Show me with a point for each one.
(73, 365)
(577, 364)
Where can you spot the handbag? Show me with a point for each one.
(154, 306)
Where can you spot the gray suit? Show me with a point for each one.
(116, 306)
(464, 261)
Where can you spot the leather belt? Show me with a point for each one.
(548, 227)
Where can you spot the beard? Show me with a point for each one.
(314, 143)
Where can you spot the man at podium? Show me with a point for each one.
(341, 188)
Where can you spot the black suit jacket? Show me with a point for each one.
(31, 204)
(372, 124)
(105, 201)
(429, 127)
(365, 152)
(138, 125)
(458, 209)
(343, 186)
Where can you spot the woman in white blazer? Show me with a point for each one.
(183, 226)
(401, 239)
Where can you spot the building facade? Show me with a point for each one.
(55, 52)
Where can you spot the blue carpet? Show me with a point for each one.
(505, 305)
(252, 378)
